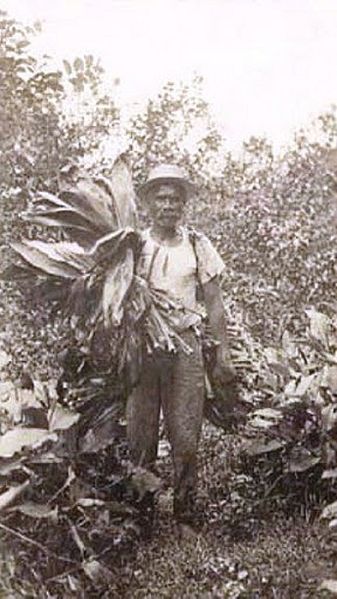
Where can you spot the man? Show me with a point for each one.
(177, 261)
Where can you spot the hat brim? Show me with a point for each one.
(190, 188)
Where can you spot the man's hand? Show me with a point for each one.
(223, 372)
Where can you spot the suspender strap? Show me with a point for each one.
(193, 239)
(153, 258)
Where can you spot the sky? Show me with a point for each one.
(268, 65)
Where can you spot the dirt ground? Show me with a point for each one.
(242, 548)
(235, 553)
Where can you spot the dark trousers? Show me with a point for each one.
(175, 383)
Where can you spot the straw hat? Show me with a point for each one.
(166, 173)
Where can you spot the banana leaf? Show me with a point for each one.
(43, 261)
(120, 187)
(45, 200)
(98, 203)
(87, 200)
(118, 279)
(107, 246)
(66, 218)
(61, 259)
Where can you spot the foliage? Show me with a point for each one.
(273, 220)
(109, 308)
(272, 217)
(68, 494)
(289, 439)
(43, 138)
(30, 94)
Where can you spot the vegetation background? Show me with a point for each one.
(273, 219)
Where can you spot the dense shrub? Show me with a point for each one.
(273, 220)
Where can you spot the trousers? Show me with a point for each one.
(175, 384)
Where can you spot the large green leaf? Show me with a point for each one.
(73, 254)
(14, 441)
(117, 283)
(91, 208)
(46, 201)
(95, 203)
(57, 259)
(261, 446)
(107, 246)
(66, 218)
(120, 187)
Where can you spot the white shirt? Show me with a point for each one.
(178, 269)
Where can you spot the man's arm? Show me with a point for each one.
(217, 322)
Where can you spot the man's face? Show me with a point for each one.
(167, 204)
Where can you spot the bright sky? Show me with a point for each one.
(268, 65)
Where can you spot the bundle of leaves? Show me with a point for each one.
(111, 315)
(114, 315)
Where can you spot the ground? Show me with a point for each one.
(270, 555)
(279, 562)
(246, 546)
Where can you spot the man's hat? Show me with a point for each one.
(165, 173)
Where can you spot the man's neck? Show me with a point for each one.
(166, 233)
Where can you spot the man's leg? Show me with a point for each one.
(183, 399)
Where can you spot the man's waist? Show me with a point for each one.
(187, 310)
(186, 320)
